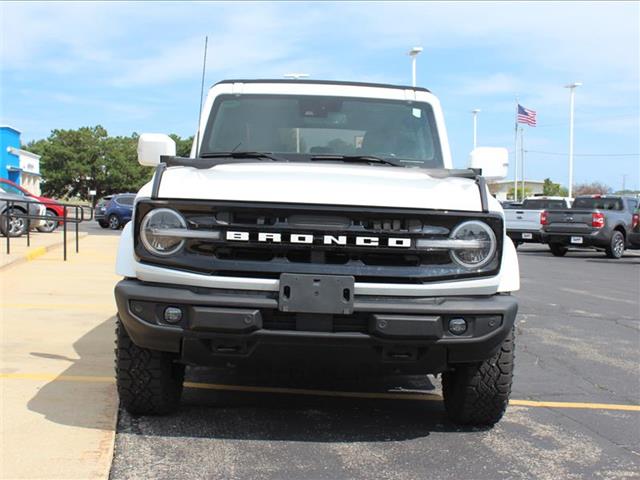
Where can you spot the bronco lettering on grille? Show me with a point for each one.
(305, 238)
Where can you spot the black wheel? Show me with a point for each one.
(114, 222)
(51, 224)
(149, 382)
(558, 250)
(478, 393)
(616, 245)
(103, 224)
(17, 225)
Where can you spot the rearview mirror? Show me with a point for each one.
(151, 146)
(493, 161)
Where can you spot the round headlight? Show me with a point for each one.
(151, 229)
(482, 244)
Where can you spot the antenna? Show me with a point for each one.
(204, 67)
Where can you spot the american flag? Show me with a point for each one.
(526, 116)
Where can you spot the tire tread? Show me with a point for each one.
(478, 394)
(149, 382)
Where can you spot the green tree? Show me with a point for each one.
(521, 194)
(73, 162)
(183, 145)
(553, 189)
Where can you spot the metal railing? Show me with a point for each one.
(12, 209)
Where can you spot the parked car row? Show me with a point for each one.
(15, 202)
(52, 208)
(604, 222)
(114, 211)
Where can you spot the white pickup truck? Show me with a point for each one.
(523, 222)
(318, 224)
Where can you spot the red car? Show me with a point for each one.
(54, 209)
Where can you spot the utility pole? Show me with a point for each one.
(413, 53)
(475, 112)
(624, 182)
(572, 93)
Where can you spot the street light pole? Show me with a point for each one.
(475, 112)
(413, 53)
(572, 93)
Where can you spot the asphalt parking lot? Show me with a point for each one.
(578, 339)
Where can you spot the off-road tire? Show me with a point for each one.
(616, 245)
(149, 382)
(478, 393)
(558, 250)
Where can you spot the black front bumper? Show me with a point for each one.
(238, 328)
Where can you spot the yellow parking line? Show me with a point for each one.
(315, 393)
(578, 405)
(322, 393)
(58, 306)
(57, 378)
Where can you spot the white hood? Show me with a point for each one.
(321, 183)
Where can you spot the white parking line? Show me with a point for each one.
(601, 297)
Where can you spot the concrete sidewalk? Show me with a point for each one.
(56, 324)
(40, 243)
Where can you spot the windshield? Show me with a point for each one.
(8, 188)
(543, 204)
(299, 127)
(598, 203)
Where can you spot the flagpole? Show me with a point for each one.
(522, 158)
(515, 155)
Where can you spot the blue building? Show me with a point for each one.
(16, 164)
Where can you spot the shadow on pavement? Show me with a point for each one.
(283, 417)
(86, 404)
(217, 414)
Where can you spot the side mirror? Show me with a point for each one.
(493, 161)
(151, 146)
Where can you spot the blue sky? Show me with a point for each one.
(136, 67)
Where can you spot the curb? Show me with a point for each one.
(36, 252)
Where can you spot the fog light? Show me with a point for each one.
(457, 326)
(172, 314)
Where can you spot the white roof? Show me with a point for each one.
(503, 182)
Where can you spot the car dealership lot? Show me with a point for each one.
(577, 346)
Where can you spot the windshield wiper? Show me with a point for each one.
(355, 159)
(234, 154)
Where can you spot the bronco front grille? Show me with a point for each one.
(317, 240)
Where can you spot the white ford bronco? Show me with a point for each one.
(318, 223)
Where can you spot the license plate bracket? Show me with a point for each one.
(303, 293)
(527, 236)
(577, 240)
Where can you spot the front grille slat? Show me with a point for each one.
(389, 264)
